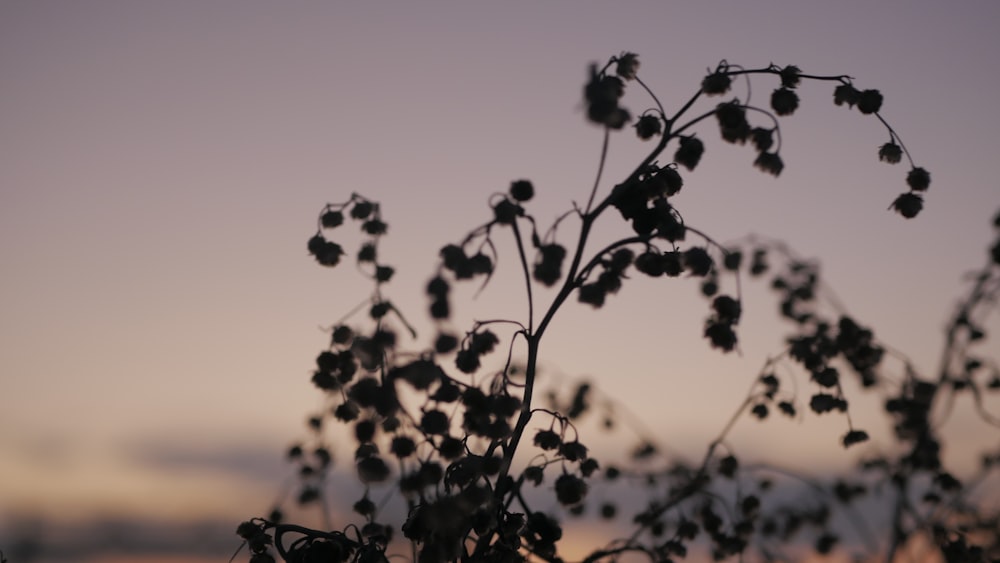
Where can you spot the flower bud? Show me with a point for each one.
(522, 190)
(918, 179)
(890, 152)
(784, 101)
(869, 101)
(628, 66)
(648, 126)
(716, 83)
(908, 205)
(332, 219)
(689, 152)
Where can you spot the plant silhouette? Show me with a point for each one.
(467, 446)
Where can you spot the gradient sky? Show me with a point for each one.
(162, 164)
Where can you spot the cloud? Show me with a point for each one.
(258, 463)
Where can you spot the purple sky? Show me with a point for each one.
(161, 166)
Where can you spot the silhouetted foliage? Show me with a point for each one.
(440, 430)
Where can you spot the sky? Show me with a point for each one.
(162, 165)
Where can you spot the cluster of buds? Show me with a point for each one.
(603, 92)
(548, 265)
(609, 280)
(328, 253)
(255, 536)
(477, 345)
(719, 328)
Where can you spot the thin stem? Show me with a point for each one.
(857, 519)
(694, 122)
(402, 319)
(686, 106)
(651, 95)
(522, 420)
(600, 169)
(353, 311)
(695, 485)
(527, 276)
(774, 70)
(597, 256)
(894, 135)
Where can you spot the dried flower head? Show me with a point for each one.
(602, 94)
(721, 335)
(649, 263)
(698, 261)
(761, 138)
(733, 123)
(790, 76)
(372, 469)
(908, 204)
(327, 253)
(890, 152)
(673, 181)
(648, 126)
(506, 211)
(784, 101)
(854, 437)
(592, 294)
(332, 219)
(727, 309)
(689, 152)
(547, 440)
(769, 162)
(362, 209)
(548, 267)
(570, 489)
(869, 101)
(845, 94)
(522, 190)
(716, 83)
(918, 179)
(733, 259)
(673, 263)
(628, 66)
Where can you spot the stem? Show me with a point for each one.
(527, 275)
(857, 519)
(772, 70)
(694, 122)
(686, 106)
(597, 256)
(600, 169)
(894, 135)
(515, 438)
(522, 420)
(651, 95)
(696, 483)
(533, 338)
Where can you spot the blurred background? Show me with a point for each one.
(162, 166)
